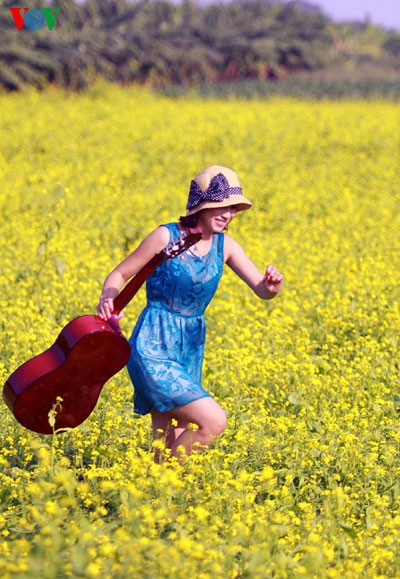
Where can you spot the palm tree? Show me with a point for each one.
(304, 37)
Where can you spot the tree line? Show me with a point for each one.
(162, 43)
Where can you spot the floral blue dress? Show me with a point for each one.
(167, 343)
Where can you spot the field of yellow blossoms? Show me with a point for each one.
(305, 481)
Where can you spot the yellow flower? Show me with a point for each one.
(304, 480)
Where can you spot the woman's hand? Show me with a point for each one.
(105, 307)
(273, 280)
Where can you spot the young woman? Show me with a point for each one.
(167, 342)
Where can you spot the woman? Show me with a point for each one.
(167, 342)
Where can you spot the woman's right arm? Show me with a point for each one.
(114, 282)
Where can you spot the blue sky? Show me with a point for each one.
(383, 12)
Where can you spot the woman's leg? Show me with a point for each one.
(210, 418)
(174, 426)
(164, 428)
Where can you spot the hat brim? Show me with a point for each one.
(241, 202)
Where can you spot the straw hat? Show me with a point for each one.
(215, 186)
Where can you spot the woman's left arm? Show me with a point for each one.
(265, 286)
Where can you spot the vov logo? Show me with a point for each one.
(34, 18)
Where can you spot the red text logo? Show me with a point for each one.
(34, 18)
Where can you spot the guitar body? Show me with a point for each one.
(86, 354)
(69, 376)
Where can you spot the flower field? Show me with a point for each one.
(305, 481)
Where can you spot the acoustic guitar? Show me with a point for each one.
(65, 381)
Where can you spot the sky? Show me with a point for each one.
(382, 12)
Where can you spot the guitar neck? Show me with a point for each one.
(173, 249)
(131, 288)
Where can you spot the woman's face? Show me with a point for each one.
(216, 220)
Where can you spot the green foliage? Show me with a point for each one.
(392, 46)
(305, 87)
(162, 43)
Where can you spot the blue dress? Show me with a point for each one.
(167, 343)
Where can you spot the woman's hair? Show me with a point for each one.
(189, 220)
(192, 220)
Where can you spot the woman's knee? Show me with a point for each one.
(216, 422)
(206, 413)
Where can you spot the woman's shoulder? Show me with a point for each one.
(231, 246)
(166, 231)
(169, 230)
(229, 242)
(156, 240)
